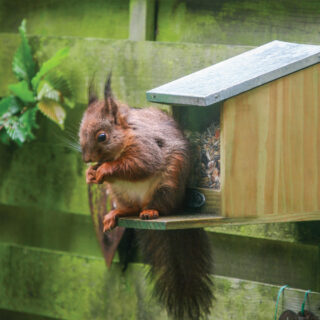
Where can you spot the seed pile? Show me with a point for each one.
(205, 156)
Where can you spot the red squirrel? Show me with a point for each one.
(143, 157)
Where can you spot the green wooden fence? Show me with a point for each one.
(50, 262)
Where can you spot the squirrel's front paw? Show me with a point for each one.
(91, 175)
(102, 173)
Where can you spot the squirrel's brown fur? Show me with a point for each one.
(144, 158)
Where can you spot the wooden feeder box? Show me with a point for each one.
(253, 122)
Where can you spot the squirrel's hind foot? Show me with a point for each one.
(109, 221)
(149, 214)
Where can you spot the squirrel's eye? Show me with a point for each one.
(102, 137)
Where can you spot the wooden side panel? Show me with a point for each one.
(270, 148)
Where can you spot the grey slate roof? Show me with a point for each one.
(238, 74)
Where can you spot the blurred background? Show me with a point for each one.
(51, 266)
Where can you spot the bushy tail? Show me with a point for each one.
(181, 263)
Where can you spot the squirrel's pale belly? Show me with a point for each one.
(138, 192)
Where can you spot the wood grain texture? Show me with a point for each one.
(203, 220)
(142, 18)
(171, 222)
(260, 257)
(213, 201)
(97, 18)
(270, 149)
(247, 22)
(68, 286)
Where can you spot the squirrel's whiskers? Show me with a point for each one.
(69, 139)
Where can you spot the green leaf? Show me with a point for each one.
(20, 128)
(28, 121)
(58, 81)
(22, 91)
(9, 106)
(28, 118)
(46, 91)
(4, 138)
(49, 65)
(69, 103)
(53, 110)
(23, 65)
(14, 130)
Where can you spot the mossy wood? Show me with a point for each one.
(142, 16)
(95, 19)
(247, 22)
(59, 285)
(230, 22)
(265, 253)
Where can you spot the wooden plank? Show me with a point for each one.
(269, 148)
(48, 229)
(212, 201)
(170, 222)
(13, 315)
(309, 143)
(70, 286)
(45, 174)
(296, 136)
(290, 232)
(274, 261)
(142, 17)
(268, 261)
(97, 18)
(51, 284)
(200, 220)
(246, 22)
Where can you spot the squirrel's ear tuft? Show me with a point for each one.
(107, 88)
(92, 94)
(111, 105)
